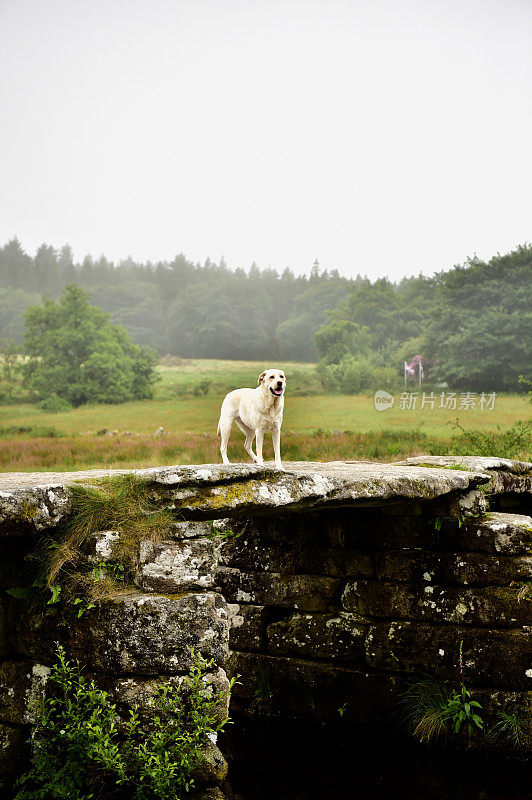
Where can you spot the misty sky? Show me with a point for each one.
(381, 137)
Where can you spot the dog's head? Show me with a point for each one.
(273, 381)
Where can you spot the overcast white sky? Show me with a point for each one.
(383, 137)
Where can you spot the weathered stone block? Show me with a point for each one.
(99, 546)
(13, 749)
(177, 566)
(496, 532)
(310, 689)
(468, 504)
(33, 507)
(190, 530)
(330, 636)
(212, 769)
(152, 634)
(491, 658)
(303, 592)
(415, 566)
(295, 556)
(15, 686)
(127, 692)
(248, 627)
(506, 475)
(372, 529)
(500, 533)
(130, 633)
(34, 629)
(487, 605)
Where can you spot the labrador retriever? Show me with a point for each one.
(255, 411)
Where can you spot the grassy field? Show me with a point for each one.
(187, 404)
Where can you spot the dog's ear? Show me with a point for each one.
(261, 377)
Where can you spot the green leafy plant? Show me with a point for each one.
(461, 710)
(226, 534)
(55, 590)
(434, 709)
(82, 750)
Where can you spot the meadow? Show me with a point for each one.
(317, 426)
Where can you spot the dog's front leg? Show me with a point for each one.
(276, 437)
(259, 440)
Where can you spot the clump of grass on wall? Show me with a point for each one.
(121, 503)
(508, 727)
(426, 705)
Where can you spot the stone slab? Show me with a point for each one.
(132, 633)
(30, 506)
(177, 566)
(493, 606)
(316, 636)
(428, 567)
(505, 474)
(128, 692)
(298, 688)
(248, 626)
(303, 592)
(214, 490)
(294, 553)
(492, 658)
(13, 750)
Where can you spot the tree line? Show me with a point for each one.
(179, 307)
(471, 325)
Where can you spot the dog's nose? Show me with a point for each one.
(279, 384)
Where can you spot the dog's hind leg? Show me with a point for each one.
(224, 431)
(258, 444)
(276, 436)
(250, 435)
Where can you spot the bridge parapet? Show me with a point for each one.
(325, 587)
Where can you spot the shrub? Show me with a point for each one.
(356, 374)
(81, 750)
(54, 404)
(507, 443)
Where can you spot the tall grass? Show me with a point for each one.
(91, 451)
(58, 453)
(122, 503)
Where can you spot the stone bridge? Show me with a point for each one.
(326, 588)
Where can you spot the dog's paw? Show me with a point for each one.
(280, 467)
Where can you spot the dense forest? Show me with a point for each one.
(471, 324)
(178, 307)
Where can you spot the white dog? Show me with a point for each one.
(255, 411)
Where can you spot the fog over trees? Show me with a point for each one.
(472, 324)
(178, 307)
